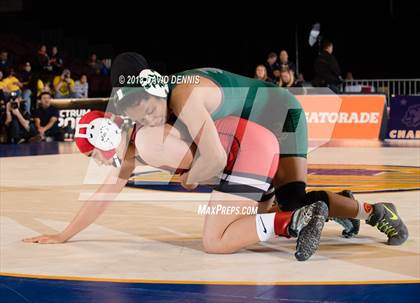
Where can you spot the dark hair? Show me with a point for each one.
(272, 55)
(126, 65)
(11, 72)
(44, 93)
(326, 44)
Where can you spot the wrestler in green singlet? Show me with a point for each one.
(262, 102)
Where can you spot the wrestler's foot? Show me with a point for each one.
(351, 226)
(307, 224)
(385, 217)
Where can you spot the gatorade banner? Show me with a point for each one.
(404, 120)
(343, 116)
(328, 116)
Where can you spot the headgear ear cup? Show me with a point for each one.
(151, 84)
(96, 129)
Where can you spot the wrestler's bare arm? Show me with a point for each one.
(189, 105)
(96, 204)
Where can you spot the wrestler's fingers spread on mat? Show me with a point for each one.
(44, 239)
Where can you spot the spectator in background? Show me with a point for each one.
(17, 121)
(276, 75)
(287, 78)
(327, 70)
(105, 67)
(43, 85)
(3, 88)
(4, 91)
(271, 65)
(94, 64)
(46, 120)
(43, 60)
(261, 73)
(284, 61)
(64, 85)
(81, 87)
(4, 61)
(55, 60)
(28, 84)
(3, 130)
(349, 76)
(13, 85)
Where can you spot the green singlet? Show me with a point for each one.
(262, 102)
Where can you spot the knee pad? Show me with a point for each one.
(315, 196)
(291, 195)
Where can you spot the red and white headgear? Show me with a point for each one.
(96, 129)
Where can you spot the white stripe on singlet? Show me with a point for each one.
(246, 181)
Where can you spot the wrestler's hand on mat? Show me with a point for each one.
(187, 186)
(46, 239)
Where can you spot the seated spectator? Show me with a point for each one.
(4, 61)
(46, 120)
(287, 78)
(55, 60)
(28, 84)
(43, 60)
(327, 70)
(3, 129)
(94, 64)
(271, 65)
(64, 85)
(4, 91)
(261, 73)
(19, 127)
(276, 75)
(284, 61)
(13, 85)
(81, 87)
(43, 85)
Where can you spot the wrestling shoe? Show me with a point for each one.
(307, 224)
(385, 217)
